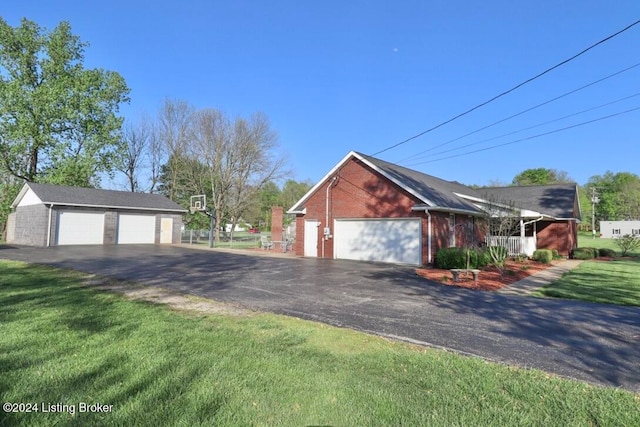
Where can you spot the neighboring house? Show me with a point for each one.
(48, 215)
(615, 229)
(369, 209)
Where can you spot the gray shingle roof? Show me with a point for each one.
(434, 191)
(79, 196)
(555, 200)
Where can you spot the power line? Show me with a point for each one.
(529, 137)
(419, 155)
(510, 90)
(529, 127)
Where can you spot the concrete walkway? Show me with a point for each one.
(542, 278)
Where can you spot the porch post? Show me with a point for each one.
(521, 237)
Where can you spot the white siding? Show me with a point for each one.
(613, 229)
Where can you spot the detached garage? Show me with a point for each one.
(48, 215)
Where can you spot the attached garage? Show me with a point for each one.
(47, 215)
(80, 228)
(136, 229)
(394, 240)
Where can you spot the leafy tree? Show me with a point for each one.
(57, 119)
(618, 194)
(541, 176)
(292, 191)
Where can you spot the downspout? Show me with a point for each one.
(429, 261)
(49, 226)
(326, 212)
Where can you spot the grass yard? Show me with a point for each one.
(586, 240)
(65, 343)
(611, 282)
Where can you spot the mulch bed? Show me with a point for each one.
(489, 278)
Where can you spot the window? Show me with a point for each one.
(452, 230)
(615, 231)
(635, 231)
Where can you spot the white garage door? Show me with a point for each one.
(384, 240)
(80, 228)
(136, 228)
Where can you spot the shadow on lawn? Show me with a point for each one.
(63, 343)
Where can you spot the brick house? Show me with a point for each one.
(49, 215)
(365, 208)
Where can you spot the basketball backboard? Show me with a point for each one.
(198, 203)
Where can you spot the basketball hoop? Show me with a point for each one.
(198, 203)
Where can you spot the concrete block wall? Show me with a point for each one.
(31, 225)
(110, 228)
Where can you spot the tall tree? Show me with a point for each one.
(618, 194)
(58, 120)
(143, 157)
(541, 176)
(174, 135)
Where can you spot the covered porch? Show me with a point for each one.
(524, 243)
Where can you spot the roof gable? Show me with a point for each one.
(558, 201)
(431, 191)
(92, 197)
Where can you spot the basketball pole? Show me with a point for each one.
(211, 227)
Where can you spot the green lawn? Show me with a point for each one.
(586, 240)
(62, 343)
(612, 282)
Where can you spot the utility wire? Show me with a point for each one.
(531, 127)
(530, 137)
(510, 90)
(420, 154)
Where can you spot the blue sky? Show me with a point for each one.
(335, 76)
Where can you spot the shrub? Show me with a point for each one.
(449, 258)
(606, 252)
(521, 258)
(628, 243)
(555, 254)
(543, 255)
(584, 253)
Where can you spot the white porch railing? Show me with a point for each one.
(516, 245)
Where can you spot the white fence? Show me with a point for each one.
(514, 244)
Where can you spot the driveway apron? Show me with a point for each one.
(598, 343)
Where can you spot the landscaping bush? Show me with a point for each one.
(606, 252)
(449, 258)
(584, 253)
(543, 255)
(555, 254)
(628, 243)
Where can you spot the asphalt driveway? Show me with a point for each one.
(591, 342)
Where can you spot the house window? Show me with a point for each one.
(635, 231)
(452, 230)
(615, 231)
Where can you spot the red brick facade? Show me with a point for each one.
(562, 236)
(356, 190)
(360, 192)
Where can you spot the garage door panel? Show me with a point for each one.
(80, 228)
(384, 240)
(136, 229)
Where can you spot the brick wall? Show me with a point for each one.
(557, 235)
(357, 192)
